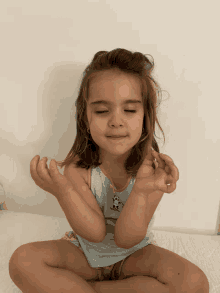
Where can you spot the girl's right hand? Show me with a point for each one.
(50, 179)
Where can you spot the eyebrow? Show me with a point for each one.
(108, 102)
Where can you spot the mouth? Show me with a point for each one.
(117, 137)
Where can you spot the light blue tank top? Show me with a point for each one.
(107, 252)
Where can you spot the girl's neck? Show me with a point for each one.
(115, 172)
(113, 168)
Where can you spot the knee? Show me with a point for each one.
(201, 281)
(192, 282)
(17, 261)
(15, 271)
(204, 283)
(198, 282)
(14, 263)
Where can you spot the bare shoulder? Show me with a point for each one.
(72, 168)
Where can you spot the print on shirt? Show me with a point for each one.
(116, 203)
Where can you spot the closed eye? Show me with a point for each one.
(100, 112)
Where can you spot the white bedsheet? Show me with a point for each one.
(20, 228)
(202, 250)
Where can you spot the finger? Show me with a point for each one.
(168, 188)
(55, 174)
(171, 187)
(148, 155)
(33, 170)
(160, 161)
(174, 172)
(42, 171)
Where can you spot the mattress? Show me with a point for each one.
(21, 228)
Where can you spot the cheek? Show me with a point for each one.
(98, 126)
(95, 124)
(136, 124)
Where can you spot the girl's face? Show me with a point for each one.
(121, 113)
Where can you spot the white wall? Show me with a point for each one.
(46, 45)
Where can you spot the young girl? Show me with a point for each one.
(109, 192)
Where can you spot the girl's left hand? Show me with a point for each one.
(149, 179)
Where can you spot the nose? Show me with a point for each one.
(116, 120)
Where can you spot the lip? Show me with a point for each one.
(117, 137)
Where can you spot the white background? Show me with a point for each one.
(46, 45)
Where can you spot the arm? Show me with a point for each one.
(80, 207)
(131, 226)
(84, 220)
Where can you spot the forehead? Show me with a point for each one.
(106, 102)
(108, 87)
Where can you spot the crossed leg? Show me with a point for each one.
(167, 267)
(154, 269)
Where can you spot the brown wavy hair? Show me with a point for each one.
(84, 149)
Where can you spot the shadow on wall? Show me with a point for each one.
(2, 198)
